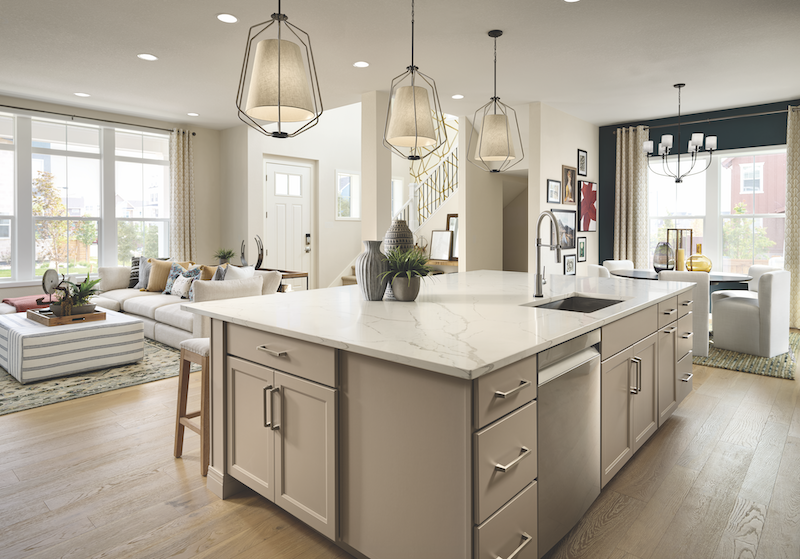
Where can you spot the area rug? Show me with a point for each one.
(160, 362)
(780, 366)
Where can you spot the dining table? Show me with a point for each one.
(715, 278)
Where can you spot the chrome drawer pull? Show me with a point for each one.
(500, 468)
(526, 540)
(522, 384)
(272, 352)
(275, 426)
(688, 377)
(687, 303)
(671, 330)
(267, 423)
(687, 335)
(672, 311)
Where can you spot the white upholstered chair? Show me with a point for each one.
(699, 306)
(595, 271)
(612, 265)
(756, 326)
(752, 286)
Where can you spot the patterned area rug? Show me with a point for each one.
(780, 366)
(160, 362)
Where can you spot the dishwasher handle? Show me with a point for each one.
(566, 365)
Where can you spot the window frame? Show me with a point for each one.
(355, 193)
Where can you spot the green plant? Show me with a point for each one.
(408, 263)
(224, 254)
(79, 293)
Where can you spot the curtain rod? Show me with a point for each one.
(718, 119)
(73, 117)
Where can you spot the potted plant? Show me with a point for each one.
(75, 298)
(406, 267)
(224, 255)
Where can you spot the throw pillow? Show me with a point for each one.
(175, 271)
(135, 265)
(234, 273)
(219, 275)
(182, 286)
(159, 273)
(209, 271)
(144, 275)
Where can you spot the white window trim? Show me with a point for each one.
(357, 195)
(758, 172)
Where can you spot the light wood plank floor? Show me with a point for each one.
(95, 478)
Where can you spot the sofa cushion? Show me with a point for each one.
(105, 303)
(174, 316)
(216, 290)
(114, 277)
(159, 272)
(146, 306)
(234, 273)
(121, 295)
(271, 281)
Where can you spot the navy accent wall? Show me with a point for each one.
(756, 131)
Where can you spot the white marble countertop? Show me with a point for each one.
(464, 325)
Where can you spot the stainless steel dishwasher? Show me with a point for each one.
(569, 435)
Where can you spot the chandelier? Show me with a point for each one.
(494, 149)
(695, 147)
(283, 85)
(412, 122)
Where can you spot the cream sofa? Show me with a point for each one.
(164, 320)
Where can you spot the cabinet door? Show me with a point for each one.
(645, 401)
(667, 389)
(305, 452)
(616, 446)
(250, 438)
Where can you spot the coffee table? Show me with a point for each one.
(30, 351)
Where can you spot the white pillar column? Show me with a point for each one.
(376, 167)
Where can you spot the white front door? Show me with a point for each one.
(287, 226)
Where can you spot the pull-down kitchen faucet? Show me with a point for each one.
(539, 278)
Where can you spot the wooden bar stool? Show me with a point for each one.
(194, 350)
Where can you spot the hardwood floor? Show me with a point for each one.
(95, 478)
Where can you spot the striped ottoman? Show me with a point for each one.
(30, 351)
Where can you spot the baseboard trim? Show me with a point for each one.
(221, 485)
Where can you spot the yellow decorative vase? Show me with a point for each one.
(698, 262)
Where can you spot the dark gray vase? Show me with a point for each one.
(406, 289)
(398, 237)
(370, 264)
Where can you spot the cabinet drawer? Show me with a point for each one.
(627, 331)
(685, 335)
(512, 529)
(684, 375)
(510, 445)
(503, 391)
(685, 303)
(667, 311)
(304, 359)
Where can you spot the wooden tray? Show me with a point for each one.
(47, 318)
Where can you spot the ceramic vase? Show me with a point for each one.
(370, 264)
(406, 289)
(399, 236)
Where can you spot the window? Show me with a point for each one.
(398, 198)
(65, 227)
(348, 195)
(736, 208)
(288, 185)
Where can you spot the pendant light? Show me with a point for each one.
(695, 147)
(499, 140)
(415, 119)
(282, 85)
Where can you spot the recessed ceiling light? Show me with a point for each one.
(458, 96)
(227, 18)
(83, 95)
(571, 0)
(192, 114)
(146, 56)
(361, 64)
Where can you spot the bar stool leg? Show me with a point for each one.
(205, 419)
(183, 394)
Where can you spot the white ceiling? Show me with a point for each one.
(604, 61)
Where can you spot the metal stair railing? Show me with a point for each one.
(426, 197)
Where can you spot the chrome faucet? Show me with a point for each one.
(539, 278)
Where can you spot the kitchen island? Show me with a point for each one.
(383, 424)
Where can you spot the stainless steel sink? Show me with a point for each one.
(576, 303)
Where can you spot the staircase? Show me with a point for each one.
(351, 279)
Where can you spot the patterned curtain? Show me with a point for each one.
(183, 237)
(630, 205)
(792, 246)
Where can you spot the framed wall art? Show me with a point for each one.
(566, 219)
(553, 191)
(441, 245)
(581, 249)
(587, 206)
(569, 184)
(582, 163)
(452, 225)
(569, 265)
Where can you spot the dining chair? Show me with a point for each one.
(612, 265)
(755, 272)
(595, 271)
(699, 306)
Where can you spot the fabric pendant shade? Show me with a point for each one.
(293, 103)
(410, 118)
(494, 141)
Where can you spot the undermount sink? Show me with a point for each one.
(576, 303)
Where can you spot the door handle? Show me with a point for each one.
(267, 422)
(526, 539)
(308, 242)
(275, 426)
(522, 384)
(524, 454)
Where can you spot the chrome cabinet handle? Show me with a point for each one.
(687, 303)
(687, 335)
(671, 330)
(638, 388)
(274, 426)
(272, 352)
(522, 384)
(688, 377)
(524, 454)
(267, 422)
(526, 540)
(672, 311)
